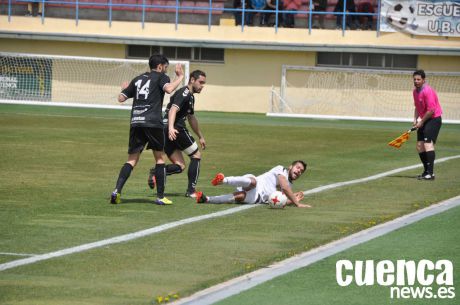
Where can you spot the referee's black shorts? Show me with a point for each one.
(139, 136)
(183, 142)
(430, 130)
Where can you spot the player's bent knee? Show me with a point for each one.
(181, 165)
(429, 146)
(196, 155)
(420, 146)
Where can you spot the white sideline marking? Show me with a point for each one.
(224, 290)
(374, 177)
(37, 103)
(119, 239)
(167, 226)
(16, 254)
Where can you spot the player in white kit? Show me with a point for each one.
(252, 189)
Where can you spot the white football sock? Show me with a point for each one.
(222, 199)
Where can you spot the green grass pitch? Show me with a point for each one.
(59, 166)
(433, 238)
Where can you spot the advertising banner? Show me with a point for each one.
(25, 78)
(421, 17)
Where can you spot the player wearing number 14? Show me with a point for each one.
(147, 91)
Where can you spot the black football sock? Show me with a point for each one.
(125, 172)
(430, 156)
(424, 160)
(160, 176)
(172, 169)
(193, 173)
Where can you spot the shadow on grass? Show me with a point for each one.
(136, 200)
(403, 176)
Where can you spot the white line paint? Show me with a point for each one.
(119, 239)
(167, 226)
(224, 290)
(344, 117)
(16, 254)
(76, 105)
(374, 177)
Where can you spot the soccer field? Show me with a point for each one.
(434, 238)
(59, 166)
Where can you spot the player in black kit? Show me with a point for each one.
(178, 138)
(147, 91)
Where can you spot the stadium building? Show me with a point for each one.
(250, 68)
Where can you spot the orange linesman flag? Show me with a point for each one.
(401, 139)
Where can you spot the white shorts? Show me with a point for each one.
(252, 196)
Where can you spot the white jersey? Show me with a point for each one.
(267, 183)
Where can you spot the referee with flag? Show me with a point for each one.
(428, 121)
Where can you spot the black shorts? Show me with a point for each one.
(430, 130)
(139, 136)
(184, 142)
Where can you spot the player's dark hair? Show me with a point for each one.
(419, 72)
(157, 59)
(301, 162)
(196, 74)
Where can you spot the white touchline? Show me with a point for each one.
(167, 226)
(118, 239)
(374, 177)
(237, 285)
(16, 254)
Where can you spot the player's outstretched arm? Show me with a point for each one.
(292, 198)
(122, 97)
(169, 88)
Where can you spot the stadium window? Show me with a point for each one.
(169, 52)
(184, 53)
(327, 59)
(139, 51)
(375, 60)
(177, 53)
(367, 60)
(209, 54)
(345, 59)
(359, 60)
(405, 61)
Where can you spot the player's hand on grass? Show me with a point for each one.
(299, 196)
(172, 134)
(303, 205)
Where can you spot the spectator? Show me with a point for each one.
(30, 8)
(291, 5)
(271, 5)
(351, 20)
(238, 4)
(366, 21)
(257, 5)
(319, 6)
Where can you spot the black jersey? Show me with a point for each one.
(147, 93)
(184, 100)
